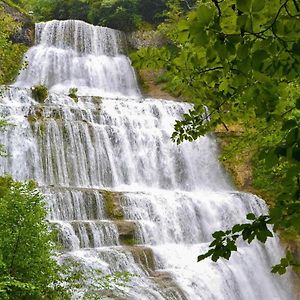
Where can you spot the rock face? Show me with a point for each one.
(142, 39)
(25, 32)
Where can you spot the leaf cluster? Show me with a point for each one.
(11, 54)
(240, 59)
(225, 241)
(27, 268)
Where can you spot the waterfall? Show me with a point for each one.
(124, 197)
(71, 54)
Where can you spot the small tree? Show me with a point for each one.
(27, 269)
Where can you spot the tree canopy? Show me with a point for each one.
(27, 269)
(241, 59)
(126, 15)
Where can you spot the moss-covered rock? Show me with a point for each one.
(112, 205)
(39, 93)
(127, 232)
(73, 94)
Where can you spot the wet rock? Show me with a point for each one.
(112, 205)
(127, 232)
(168, 285)
(144, 257)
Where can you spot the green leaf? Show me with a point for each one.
(292, 136)
(298, 103)
(218, 234)
(289, 124)
(244, 5)
(251, 216)
(205, 15)
(243, 51)
(262, 236)
(258, 57)
(258, 5)
(271, 159)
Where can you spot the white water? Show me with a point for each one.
(173, 197)
(71, 54)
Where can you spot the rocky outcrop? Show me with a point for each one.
(25, 31)
(148, 38)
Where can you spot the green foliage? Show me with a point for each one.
(26, 265)
(225, 242)
(11, 55)
(45, 10)
(39, 93)
(118, 14)
(289, 260)
(73, 94)
(152, 11)
(126, 15)
(241, 59)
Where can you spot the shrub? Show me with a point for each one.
(73, 94)
(27, 269)
(39, 93)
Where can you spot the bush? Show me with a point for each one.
(27, 269)
(11, 54)
(73, 94)
(39, 93)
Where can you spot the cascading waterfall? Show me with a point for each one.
(123, 195)
(73, 55)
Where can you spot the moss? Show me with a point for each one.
(127, 240)
(31, 119)
(37, 116)
(97, 100)
(56, 114)
(73, 94)
(112, 206)
(142, 82)
(42, 128)
(127, 232)
(39, 93)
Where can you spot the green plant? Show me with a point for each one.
(27, 268)
(39, 93)
(11, 54)
(73, 94)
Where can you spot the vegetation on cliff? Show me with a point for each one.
(126, 15)
(11, 54)
(241, 59)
